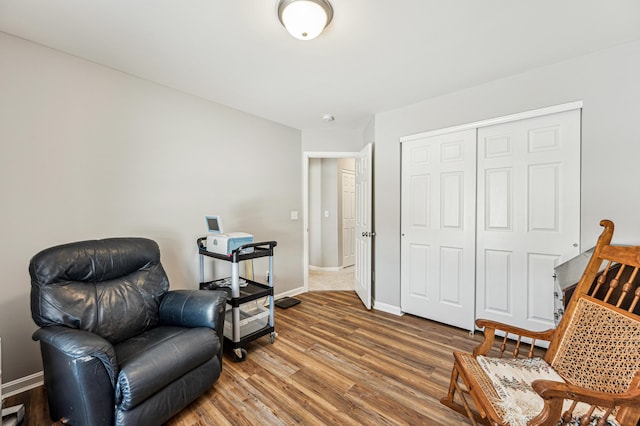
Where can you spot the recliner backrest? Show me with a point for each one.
(111, 287)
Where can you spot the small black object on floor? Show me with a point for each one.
(12, 416)
(286, 302)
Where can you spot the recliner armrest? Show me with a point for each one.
(80, 344)
(194, 308)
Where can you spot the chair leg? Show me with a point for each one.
(463, 409)
(452, 384)
(466, 406)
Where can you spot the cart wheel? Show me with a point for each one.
(239, 354)
(273, 337)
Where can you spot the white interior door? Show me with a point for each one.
(438, 228)
(528, 215)
(348, 217)
(363, 225)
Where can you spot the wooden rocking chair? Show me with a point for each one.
(590, 374)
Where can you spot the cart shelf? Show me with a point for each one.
(251, 291)
(238, 295)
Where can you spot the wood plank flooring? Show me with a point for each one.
(333, 363)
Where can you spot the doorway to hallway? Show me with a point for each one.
(322, 280)
(331, 226)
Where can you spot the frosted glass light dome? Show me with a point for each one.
(305, 19)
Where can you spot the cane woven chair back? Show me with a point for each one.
(597, 345)
(600, 348)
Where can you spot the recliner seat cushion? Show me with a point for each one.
(159, 356)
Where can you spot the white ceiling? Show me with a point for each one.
(376, 55)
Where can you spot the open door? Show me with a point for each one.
(364, 231)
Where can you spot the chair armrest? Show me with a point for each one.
(194, 308)
(490, 328)
(548, 389)
(554, 394)
(79, 344)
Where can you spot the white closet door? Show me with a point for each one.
(528, 215)
(438, 228)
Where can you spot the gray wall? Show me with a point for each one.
(330, 205)
(607, 82)
(332, 138)
(315, 211)
(88, 152)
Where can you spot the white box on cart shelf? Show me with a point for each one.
(253, 317)
(226, 243)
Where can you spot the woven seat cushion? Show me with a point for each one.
(512, 378)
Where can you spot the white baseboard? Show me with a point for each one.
(289, 293)
(22, 384)
(326, 268)
(395, 310)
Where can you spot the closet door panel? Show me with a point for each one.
(544, 197)
(438, 228)
(452, 203)
(539, 287)
(496, 269)
(498, 199)
(419, 280)
(420, 190)
(451, 267)
(529, 207)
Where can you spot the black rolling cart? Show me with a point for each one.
(245, 319)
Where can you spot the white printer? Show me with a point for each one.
(226, 243)
(221, 243)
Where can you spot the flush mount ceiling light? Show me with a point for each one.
(305, 19)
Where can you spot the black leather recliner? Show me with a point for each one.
(117, 346)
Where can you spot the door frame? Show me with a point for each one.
(498, 120)
(306, 156)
